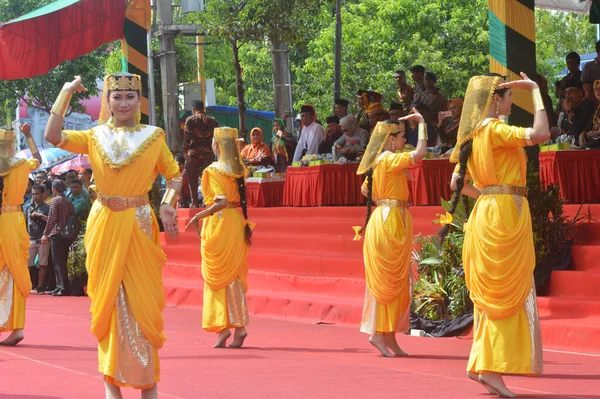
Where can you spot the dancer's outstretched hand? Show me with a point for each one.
(75, 86)
(524, 84)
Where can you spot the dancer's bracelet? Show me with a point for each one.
(32, 145)
(61, 105)
(170, 197)
(538, 103)
(423, 131)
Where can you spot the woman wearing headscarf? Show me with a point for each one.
(590, 138)
(388, 233)
(498, 250)
(448, 124)
(15, 282)
(124, 258)
(257, 152)
(354, 139)
(225, 239)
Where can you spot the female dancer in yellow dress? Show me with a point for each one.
(15, 283)
(124, 258)
(225, 240)
(389, 232)
(498, 251)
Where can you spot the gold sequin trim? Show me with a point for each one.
(13, 163)
(515, 190)
(143, 217)
(135, 354)
(138, 151)
(64, 139)
(393, 203)
(535, 333)
(528, 137)
(518, 203)
(236, 304)
(6, 296)
(368, 322)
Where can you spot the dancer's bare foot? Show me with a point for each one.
(494, 380)
(223, 336)
(378, 342)
(238, 337)
(475, 377)
(112, 391)
(390, 342)
(14, 338)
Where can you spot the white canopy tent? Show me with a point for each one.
(578, 6)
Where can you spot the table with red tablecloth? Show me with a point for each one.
(264, 193)
(323, 185)
(431, 181)
(576, 172)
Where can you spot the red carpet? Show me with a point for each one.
(284, 359)
(304, 265)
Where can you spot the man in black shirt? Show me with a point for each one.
(37, 216)
(579, 110)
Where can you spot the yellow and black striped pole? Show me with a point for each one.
(512, 50)
(134, 45)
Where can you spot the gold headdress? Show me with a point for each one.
(475, 109)
(378, 139)
(119, 82)
(7, 150)
(230, 160)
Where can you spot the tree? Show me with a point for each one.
(41, 91)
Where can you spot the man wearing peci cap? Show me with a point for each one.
(404, 90)
(418, 75)
(332, 133)
(312, 133)
(579, 110)
(341, 108)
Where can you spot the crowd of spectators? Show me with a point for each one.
(50, 201)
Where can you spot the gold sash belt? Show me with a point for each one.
(393, 203)
(118, 204)
(232, 205)
(10, 209)
(514, 190)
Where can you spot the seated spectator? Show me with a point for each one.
(332, 134)
(375, 111)
(312, 133)
(257, 152)
(433, 98)
(185, 198)
(579, 110)
(590, 138)
(80, 202)
(396, 111)
(36, 216)
(278, 145)
(449, 121)
(354, 139)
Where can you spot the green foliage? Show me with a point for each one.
(77, 256)
(557, 34)
(440, 292)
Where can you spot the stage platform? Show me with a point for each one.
(305, 266)
(283, 359)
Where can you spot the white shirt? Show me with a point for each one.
(310, 140)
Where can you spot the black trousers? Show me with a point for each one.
(60, 254)
(194, 168)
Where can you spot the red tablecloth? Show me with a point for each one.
(431, 181)
(323, 185)
(576, 172)
(264, 195)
